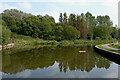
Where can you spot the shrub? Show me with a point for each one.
(98, 38)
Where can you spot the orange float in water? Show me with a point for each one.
(82, 51)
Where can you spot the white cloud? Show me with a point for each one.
(110, 75)
(54, 12)
(25, 5)
(6, 6)
(24, 74)
(0, 75)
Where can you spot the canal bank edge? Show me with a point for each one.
(8, 46)
(107, 51)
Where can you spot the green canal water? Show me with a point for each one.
(58, 62)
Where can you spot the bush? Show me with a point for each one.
(21, 37)
(45, 42)
(66, 42)
(71, 32)
(98, 38)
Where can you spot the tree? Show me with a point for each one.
(83, 28)
(65, 18)
(49, 18)
(10, 22)
(72, 20)
(114, 32)
(119, 34)
(44, 27)
(35, 26)
(90, 23)
(107, 23)
(91, 27)
(102, 32)
(78, 23)
(61, 18)
(16, 14)
(59, 33)
(6, 33)
(71, 33)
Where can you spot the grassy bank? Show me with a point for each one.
(100, 46)
(61, 43)
(21, 40)
(114, 46)
(24, 43)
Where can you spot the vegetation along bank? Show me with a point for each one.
(24, 28)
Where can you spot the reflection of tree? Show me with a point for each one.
(33, 59)
(102, 62)
(67, 57)
(81, 61)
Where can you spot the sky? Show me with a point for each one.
(55, 7)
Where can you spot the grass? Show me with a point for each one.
(61, 43)
(100, 46)
(21, 37)
(114, 46)
(93, 41)
(27, 40)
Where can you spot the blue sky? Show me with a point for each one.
(54, 8)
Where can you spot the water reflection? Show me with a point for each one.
(68, 58)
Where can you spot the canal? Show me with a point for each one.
(58, 62)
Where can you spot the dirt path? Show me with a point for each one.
(106, 45)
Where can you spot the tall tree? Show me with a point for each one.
(72, 20)
(78, 23)
(83, 28)
(61, 18)
(90, 23)
(91, 27)
(65, 18)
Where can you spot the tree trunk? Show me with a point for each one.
(91, 37)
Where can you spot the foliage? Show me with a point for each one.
(6, 33)
(71, 33)
(16, 14)
(98, 38)
(58, 33)
(119, 34)
(37, 27)
(114, 33)
(20, 37)
(10, 22)
(69, 27)
(102, 32)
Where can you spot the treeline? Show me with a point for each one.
(90, 27)
(84, 26)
